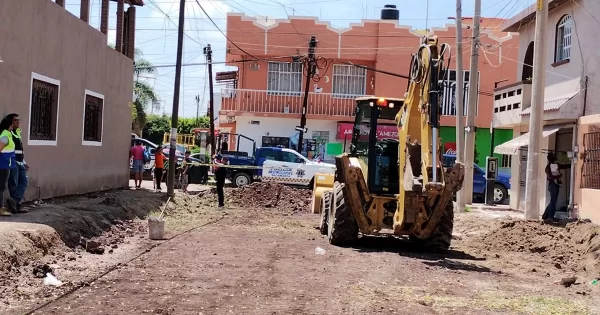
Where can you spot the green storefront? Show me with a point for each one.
(483, 139)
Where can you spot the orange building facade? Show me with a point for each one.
(266, 97)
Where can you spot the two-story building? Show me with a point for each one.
(571, 116)
(265, 101)
(71, 91)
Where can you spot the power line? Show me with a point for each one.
(215, 24)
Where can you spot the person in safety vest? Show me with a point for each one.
(7, 158)
(17, 181)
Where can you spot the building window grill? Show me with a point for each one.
(591, 161)
(449, 93)
(349, 81)
(563, 38)
(44, 111)
(284, 78)
(92, 120)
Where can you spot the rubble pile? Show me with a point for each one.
(272, 196)
(570, 245)
(110, 240)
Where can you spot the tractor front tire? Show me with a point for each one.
(341, 226)
(325, 209)
(440, 238)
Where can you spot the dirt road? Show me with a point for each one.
(255, 260)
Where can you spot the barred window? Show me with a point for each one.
(506, 160)
(448, 101)
(591, 161)
(44, 110)
(563, 38)
(92, 118)
(284, 78)
(349, 81)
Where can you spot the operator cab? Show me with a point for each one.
(378, 151)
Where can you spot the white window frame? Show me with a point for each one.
(279, 72)
(336, 77)
(466, 94)
(39, 77)
(92, 143)
(564, 38)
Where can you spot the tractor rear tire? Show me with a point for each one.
(325, 209)
(440, 238)
(341, 226)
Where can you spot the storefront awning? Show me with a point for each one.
(513, 146)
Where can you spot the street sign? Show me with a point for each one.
(491, 169)
(300, 129)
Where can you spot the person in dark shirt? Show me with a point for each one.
(224, 146)
(553, 177)
(220, 174)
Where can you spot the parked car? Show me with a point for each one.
(501, 185)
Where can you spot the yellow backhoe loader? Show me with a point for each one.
(395, 186)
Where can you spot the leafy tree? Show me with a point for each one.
(157, 125)
(144, 93)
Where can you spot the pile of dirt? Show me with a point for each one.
(112, 238)
(272, 196)
(571, 246)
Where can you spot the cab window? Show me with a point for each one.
(268, 155)
(291, 157)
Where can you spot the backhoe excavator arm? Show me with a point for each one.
(423, 185)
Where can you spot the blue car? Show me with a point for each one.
(501, 186)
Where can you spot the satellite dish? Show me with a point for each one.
(326, 79)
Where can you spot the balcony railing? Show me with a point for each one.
(261, 101)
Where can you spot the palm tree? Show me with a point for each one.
(144, 93)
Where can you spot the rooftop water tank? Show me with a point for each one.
(389, 12)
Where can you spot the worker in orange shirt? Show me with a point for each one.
(159, 163)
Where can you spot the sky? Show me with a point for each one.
(157, 20)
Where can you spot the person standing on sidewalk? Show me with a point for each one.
(17, 181)
(159, 163)
(220, 175)
(553, 177)
(7, 157)
(137, 153)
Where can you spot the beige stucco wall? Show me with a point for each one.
(583, 61)
(39, 36)
(586, 199)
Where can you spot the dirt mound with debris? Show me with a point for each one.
(105, 218)
(272, 196)
(24, 242)
(571, 246)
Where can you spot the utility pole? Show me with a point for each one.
(472, 109)
(536, 121)
(175, 110)
(312, 45)
(211, 113)
(197, 110)
(460, 100)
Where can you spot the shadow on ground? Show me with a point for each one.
(450, 259)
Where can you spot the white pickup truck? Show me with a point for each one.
(279, 165)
